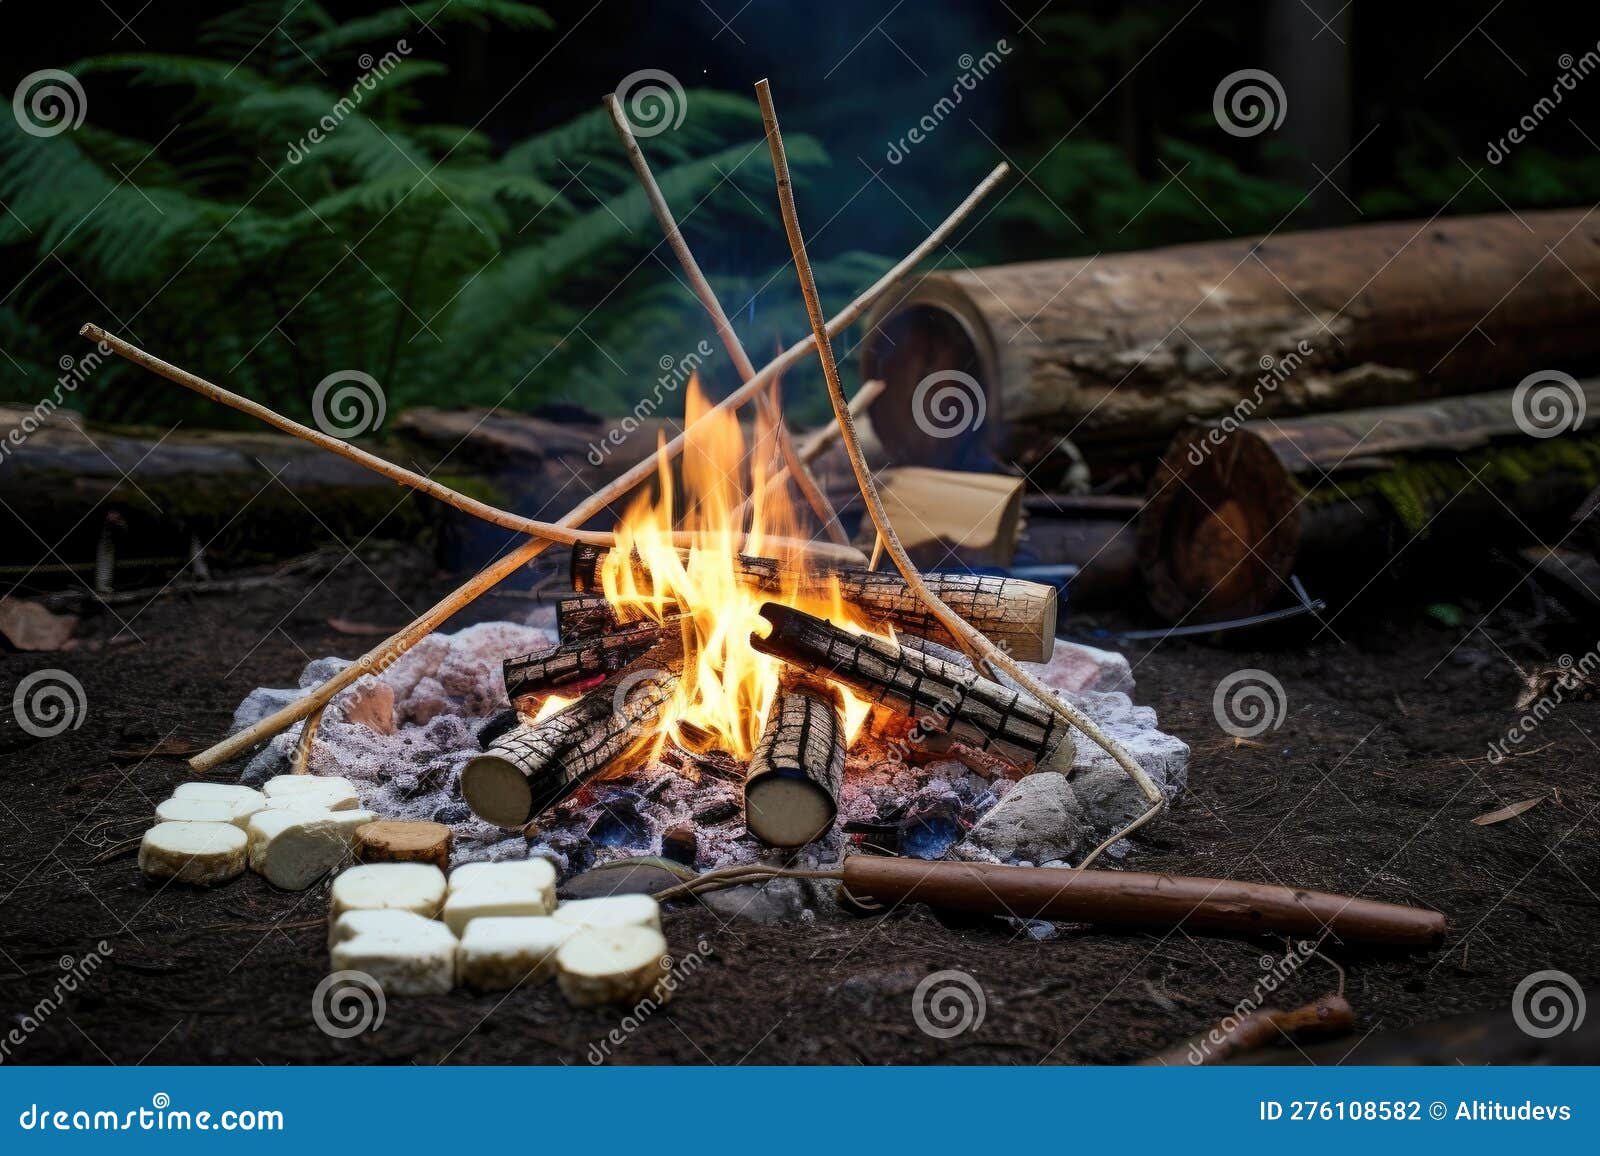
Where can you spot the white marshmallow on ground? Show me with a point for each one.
(196, 789)
(293, 849)
(405, 953)
(331, 791)
(382, 922)
(516, 887)
(203, 853)
(189, 809)
(498, 953)
(601, 965)
(612, 911)
(417, 887)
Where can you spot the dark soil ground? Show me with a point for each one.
(1369, 786)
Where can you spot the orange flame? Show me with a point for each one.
(726, 687)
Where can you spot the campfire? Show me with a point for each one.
(713, 634)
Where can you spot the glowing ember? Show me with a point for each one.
(726, 687)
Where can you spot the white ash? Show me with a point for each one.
(403, 736)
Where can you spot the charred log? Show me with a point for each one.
(944, 698)
(580, 665)
(791, 794)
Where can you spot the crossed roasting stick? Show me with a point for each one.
(755, 388)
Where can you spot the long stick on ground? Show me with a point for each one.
(792, 460)
(549, 531)
(382, 656)
(971, 639)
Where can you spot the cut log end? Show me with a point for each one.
(497, 791)
(784, 810)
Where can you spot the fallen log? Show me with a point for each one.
(533, 766)
(1136, 899)
(1142, 342)
(945, 699)
(792, 790)
(1230, 515)
(1017, 615)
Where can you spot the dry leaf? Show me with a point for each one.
(1510, 812)
(30, 626)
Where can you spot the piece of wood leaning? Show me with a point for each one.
(791, 793)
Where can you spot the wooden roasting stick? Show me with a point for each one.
(791, 793)
(972, 641)
(382, 656)
(944, 698)
(533, 766)
(1140, 900)
(1016, 615)
(793, 462)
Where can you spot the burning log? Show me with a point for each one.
(536, 765)
(1019, 616)
(583, 664)
(1136, 899)
(791, 794)
(1145, 341)
(1231, 515)
(945, 699)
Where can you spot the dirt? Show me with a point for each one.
(1368, 786)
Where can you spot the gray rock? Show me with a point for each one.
(1040, 819)
(1111, 800)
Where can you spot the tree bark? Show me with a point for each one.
(1119, 351)
(1231, 515)
(582, 664)
(944, 698)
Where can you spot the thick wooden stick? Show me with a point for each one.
(793, 462)
(580, 664)
(971, 640)
(1138, 899)
(382, 656)
(549, 531)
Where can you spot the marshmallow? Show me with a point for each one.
(203, 853)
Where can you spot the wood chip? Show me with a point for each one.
(400, 841)
(1510, 812)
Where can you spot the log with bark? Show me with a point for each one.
(1119, 351)
(946, 699)
(580, 665)
(533, 766)
(1017, 615)
(1139, 900)
(1231, 514)
(792, 791)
